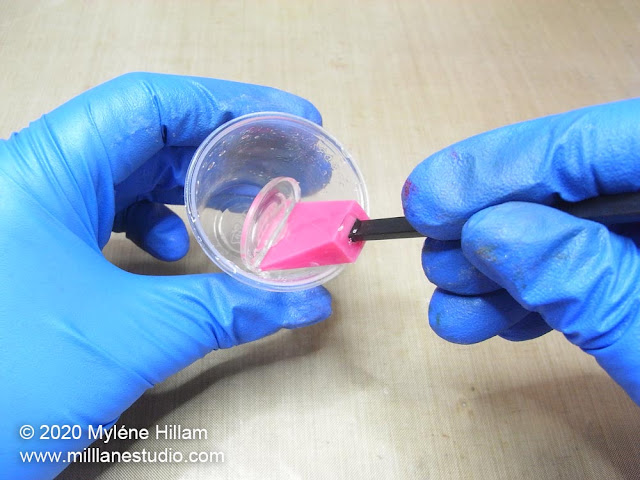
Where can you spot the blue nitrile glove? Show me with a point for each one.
(506, 264)
(80, 339)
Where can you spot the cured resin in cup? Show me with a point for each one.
(232, 167)
(281, 233)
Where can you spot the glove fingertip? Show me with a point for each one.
(168, 241)
(450, 325)
(305, 109)
(492, 232)
(530, 327)
(294, 104)
(434, 207)
(472, 319)
(310, 112)
(308, 307)
(445, 266)
(156, 229)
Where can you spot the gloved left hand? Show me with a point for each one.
(80, 339)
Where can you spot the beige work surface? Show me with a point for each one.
(372, 392)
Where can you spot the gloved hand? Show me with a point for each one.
(80, 339)
(508, 265)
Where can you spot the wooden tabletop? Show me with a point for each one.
(372, 392)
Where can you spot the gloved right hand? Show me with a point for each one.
(506, 264)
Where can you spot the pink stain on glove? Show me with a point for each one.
(317, 233)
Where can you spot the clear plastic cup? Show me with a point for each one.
(233, 165)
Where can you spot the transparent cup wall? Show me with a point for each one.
(233, 164)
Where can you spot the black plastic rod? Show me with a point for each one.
(607, 209)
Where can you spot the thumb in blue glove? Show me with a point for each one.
(81, 339)
(506, 264)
